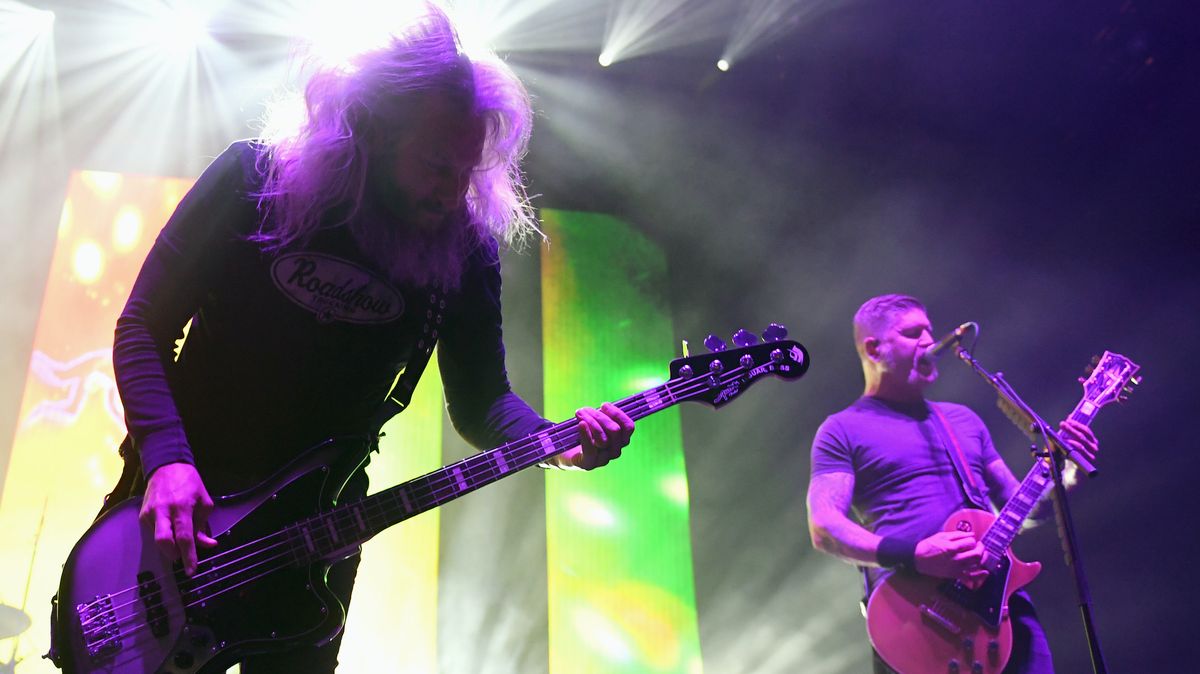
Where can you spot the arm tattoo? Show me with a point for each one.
(829, 524)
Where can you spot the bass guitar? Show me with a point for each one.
(924, 625)
(123, 609)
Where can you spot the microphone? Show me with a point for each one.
(951, 340)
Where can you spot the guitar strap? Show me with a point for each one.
(133, 482)
(402, 391)
(966, 479)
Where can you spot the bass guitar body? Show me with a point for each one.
(924, 625)
(123, 609)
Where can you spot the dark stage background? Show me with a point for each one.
(1030, 166)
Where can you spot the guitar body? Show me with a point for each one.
(123, 609)
(925, 625)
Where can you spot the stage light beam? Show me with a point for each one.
(637, 28)
(762, 22)
(182, 29)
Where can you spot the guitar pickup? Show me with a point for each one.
(938, 620)
(151, 594)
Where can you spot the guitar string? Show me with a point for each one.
(638, 408)
(1005, 527)
(440, 489)
(517, 452)
(1034, 486)
(320, 539)
(219, 562)
(1001, 532)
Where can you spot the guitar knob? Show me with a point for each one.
(968, 644)
(714, 343)
(993, 647)
(745, 338)
(977, 668)
(774, 333)
(952, 667)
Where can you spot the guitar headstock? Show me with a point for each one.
(1111, 377)
(718, 377)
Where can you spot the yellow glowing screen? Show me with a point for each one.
(64, 456)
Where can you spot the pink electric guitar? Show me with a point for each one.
(924, 625)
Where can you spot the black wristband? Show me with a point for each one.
(896, 553)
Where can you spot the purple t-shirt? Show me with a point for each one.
(904, 482)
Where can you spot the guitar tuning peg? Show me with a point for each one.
(745, 338)
(1080, 379)
(1134, 381)
(714, 343)
(774, 333)
(1095, 360)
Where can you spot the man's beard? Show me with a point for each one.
(433, 256)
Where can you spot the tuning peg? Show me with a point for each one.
(714, 343)
(745, 338)
(1134, 381)
(774, 333)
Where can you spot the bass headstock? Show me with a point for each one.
(721, 375)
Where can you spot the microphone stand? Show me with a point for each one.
(1034, 426)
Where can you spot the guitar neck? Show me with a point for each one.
(354, 523)
(1037, 482)
(715, 378)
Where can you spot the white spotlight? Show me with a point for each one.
(179, 29)
(22, 24)
(337, 31)
(723, 65)
(605, 59)
(44, 20)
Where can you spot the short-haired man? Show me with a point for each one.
(885, 457)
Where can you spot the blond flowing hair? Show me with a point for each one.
(315, 175)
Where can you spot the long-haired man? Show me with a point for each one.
(315, 264)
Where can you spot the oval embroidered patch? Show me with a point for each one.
(335, 289)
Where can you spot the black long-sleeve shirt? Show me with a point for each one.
(289, 348)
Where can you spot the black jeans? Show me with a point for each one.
(311, 659)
